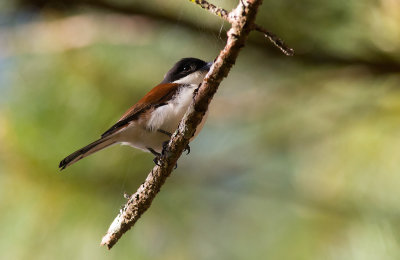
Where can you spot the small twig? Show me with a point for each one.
(212, 8)
(278, 42)
(139, 202)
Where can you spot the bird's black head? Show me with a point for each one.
(187, 71)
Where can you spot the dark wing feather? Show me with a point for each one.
(158, 96)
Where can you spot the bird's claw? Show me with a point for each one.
(164, 146)
(187, 149)
(157, 160)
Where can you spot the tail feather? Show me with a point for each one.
(86, 151)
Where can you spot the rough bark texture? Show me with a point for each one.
(242, 20)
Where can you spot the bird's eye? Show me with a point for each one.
(186, 68)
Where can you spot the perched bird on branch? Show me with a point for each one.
(149, 124)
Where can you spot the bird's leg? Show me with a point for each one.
(187, 148)
(164, 146)
(157, 157)
(165, 132)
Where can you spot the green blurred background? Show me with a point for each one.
(299, 159)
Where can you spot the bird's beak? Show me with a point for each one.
(207, 66)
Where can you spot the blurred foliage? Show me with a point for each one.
(299, 158)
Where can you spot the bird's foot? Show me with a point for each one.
(157, 157)
(164, 146)
(187, 149)
(157, 160)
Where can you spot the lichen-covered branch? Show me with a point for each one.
(242, 20)
(225, 15)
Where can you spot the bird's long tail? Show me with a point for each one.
(86, 151)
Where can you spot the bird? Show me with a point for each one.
(148, 125)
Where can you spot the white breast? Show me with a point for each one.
(165, 117)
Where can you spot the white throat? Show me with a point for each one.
(194, 78)
(167, 117)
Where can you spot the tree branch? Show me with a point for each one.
(225, 15)
(242, 20)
